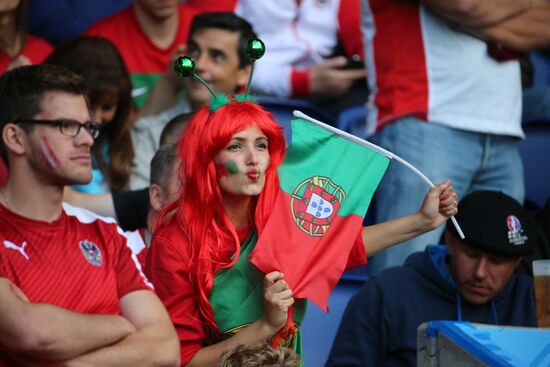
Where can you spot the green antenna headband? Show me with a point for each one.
(184, 67)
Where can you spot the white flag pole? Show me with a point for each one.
(376, 148)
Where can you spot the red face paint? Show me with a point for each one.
(226, 168)
(221, 171)
(47, 155)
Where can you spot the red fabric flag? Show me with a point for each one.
(327, 183)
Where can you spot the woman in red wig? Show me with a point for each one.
(198, 259)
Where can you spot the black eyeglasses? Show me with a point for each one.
(68, 127)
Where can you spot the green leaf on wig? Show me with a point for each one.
(245, 98)
(217, 101)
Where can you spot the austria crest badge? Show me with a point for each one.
(91, 252)
(315, 203)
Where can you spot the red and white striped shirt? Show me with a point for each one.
(419, 65)
(299, 34)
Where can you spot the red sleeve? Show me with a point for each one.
(358, 254)
(349, 28)
(299, 82)
(168, 269)
(36, 49)
(130, 276)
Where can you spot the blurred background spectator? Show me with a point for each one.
(109, 93)
(146, 33)
(447, 98)
(17, 47)
(314, 51)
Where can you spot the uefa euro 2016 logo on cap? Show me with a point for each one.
(515, 232)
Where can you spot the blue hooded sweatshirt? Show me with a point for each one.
(379, 325)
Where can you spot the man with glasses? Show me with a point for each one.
(70, 290)
(67, 127)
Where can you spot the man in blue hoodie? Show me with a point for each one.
(471, 280)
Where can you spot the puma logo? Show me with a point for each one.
(13, 246)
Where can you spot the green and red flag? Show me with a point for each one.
(327, 182)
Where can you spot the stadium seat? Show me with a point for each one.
(319, 328)
(541, 65)
(353, 120)
(536, 98)
(534, 150)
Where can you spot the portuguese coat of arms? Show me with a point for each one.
(314, 204)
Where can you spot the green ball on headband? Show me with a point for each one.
(254, 49)
(184, 66)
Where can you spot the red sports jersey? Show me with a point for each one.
(144, 60)
(80, 261)
(36, 50)
(169, 268)
(141, 239)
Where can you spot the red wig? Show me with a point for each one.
(200, 212)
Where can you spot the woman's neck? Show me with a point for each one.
(237, 208)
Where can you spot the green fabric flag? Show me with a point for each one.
(314, 232)
(237, 296)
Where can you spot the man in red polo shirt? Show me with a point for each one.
(70, 288)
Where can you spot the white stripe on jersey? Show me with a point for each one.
(133, 242)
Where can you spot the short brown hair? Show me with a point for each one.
(160, 164)
(22, 90)
(259, 355)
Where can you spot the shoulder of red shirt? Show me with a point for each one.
(100, 27)
(37, 49)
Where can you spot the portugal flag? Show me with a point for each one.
(327, 183)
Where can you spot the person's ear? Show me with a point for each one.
(451, 241)
(14, 139)
(156, 196)
(242, 76)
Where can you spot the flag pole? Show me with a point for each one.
(378, 149)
